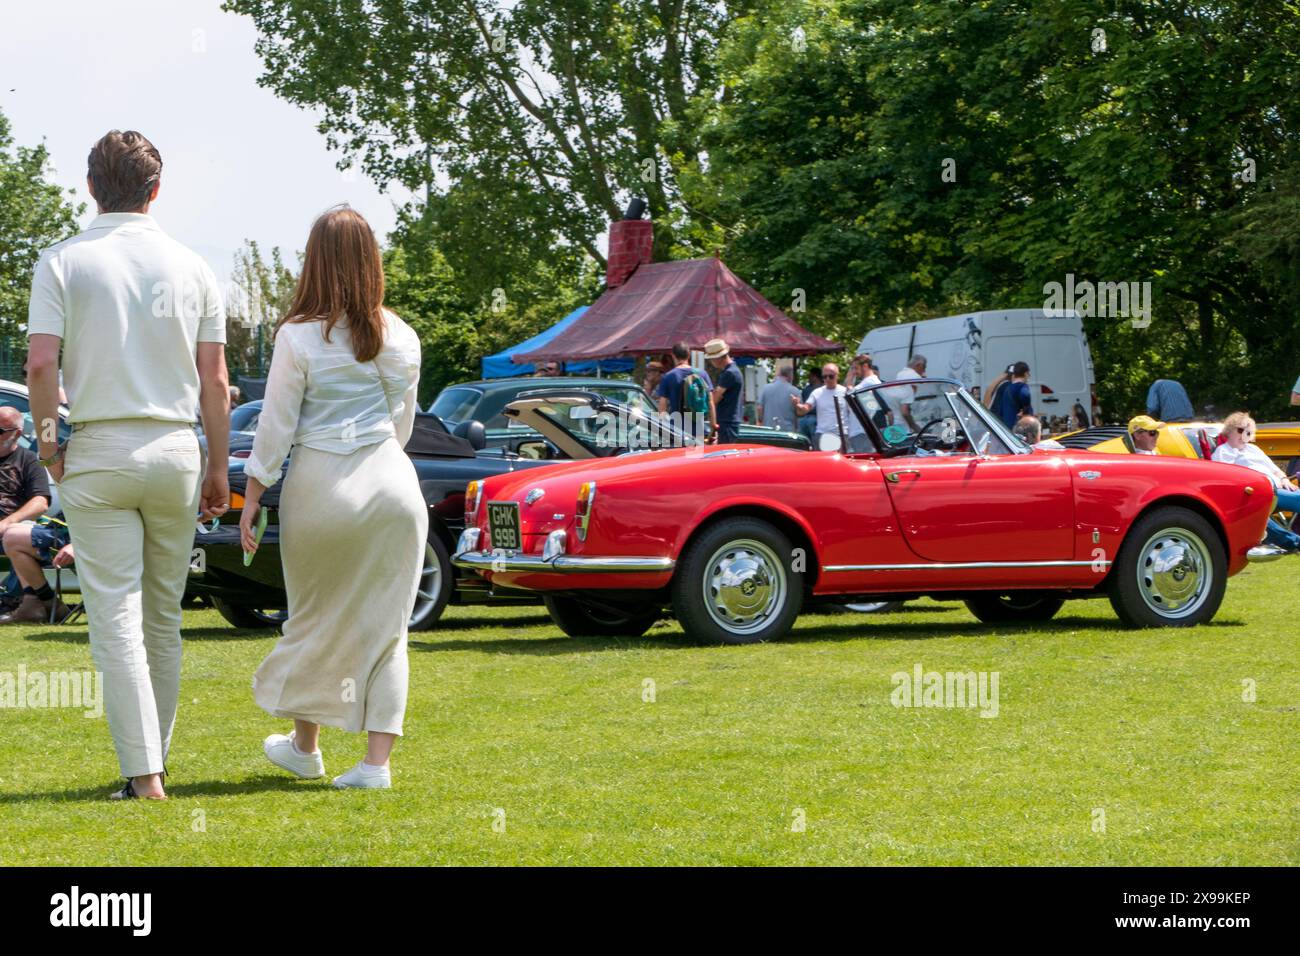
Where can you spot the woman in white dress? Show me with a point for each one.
(353, 521)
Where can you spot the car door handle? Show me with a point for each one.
(895, 475)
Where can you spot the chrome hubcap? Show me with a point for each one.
(1174, 572)
(744, 586)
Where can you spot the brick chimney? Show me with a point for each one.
(630, 243)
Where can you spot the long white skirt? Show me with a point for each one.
(352, 538)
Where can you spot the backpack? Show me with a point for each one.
(695, 394)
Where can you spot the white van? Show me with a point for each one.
(976, 347)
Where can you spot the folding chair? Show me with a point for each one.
(74, 610)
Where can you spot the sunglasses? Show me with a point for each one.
(6, 431)
(1244, 431)
(1151, 431)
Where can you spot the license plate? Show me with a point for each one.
(503, 525)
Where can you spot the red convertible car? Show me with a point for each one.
(941, 501)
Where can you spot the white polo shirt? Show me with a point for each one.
(130, 304)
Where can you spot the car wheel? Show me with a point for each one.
(873, 607)
(250, 618)
(435, 585)
(1171, 571)
(1014, 606)
(579, 617)
(734, 584)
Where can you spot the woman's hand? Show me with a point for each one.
(248, 525)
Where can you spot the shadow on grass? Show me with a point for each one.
(835, 628)
(209, 788)
(187, 634)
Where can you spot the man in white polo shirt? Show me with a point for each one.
(142, 328)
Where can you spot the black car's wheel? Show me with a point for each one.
(435, 585)
(250, 618)
(579, 617)
(430, 599)
(1014, 606)
(1171, 571)
(734, 584)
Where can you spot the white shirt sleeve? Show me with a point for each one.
(399, 371)
(286, 383)
(212, 318)
(45, 309)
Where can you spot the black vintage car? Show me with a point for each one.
(564, 423)
(253, 596)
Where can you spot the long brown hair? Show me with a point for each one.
(342, 277)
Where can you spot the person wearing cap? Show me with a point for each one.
(1145, 433)
(728, 390)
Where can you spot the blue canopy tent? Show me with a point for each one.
(500, 366)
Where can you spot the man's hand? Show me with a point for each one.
(214, 499)
(64, 557)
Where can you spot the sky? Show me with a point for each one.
(238, 163)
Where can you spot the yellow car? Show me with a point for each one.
(1280, 441)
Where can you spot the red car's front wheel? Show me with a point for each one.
(736, 583)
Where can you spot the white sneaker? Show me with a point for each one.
(282, 752)
(365, 776)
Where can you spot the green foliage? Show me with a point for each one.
(34, 214)
(1125, 162)
(258, 295)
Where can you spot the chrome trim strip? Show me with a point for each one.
(564, 564)
(962, 565)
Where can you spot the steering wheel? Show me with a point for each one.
(947, 437)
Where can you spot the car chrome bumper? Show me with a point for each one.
(552, 558)
(1264, 552)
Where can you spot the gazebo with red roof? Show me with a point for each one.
(648, 307)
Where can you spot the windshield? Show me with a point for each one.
(931, 417)
(615, 428)
(455, 404)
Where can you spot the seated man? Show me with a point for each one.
(1144, 432)
(24, 497)
(1030, 430)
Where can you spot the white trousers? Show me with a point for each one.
(130, 494)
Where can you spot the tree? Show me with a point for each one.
(34, 213)
(258, 295)
(526, 125)
(907, 158)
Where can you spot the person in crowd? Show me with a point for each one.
(774, 408)
(1079, 418)
(728, 390)
(1144, 431)
(24, 497)
(341, 392)
(235, 394)
(654, 373)
(132, 477)
(547, 370)
(672, 388)
(1008, 395)
(1239, 448)
(808, 423)
(915, 409)
(1030, 430)
(828, 405)
(859, 369)
(1167, 400)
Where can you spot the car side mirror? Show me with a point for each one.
(473, 432)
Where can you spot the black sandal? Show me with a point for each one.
(126, 793)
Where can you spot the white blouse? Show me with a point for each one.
(319, 395)
(1252, 456)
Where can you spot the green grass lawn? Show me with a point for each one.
(739, 746)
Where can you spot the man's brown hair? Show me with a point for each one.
(342, 278)
(123, 169)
